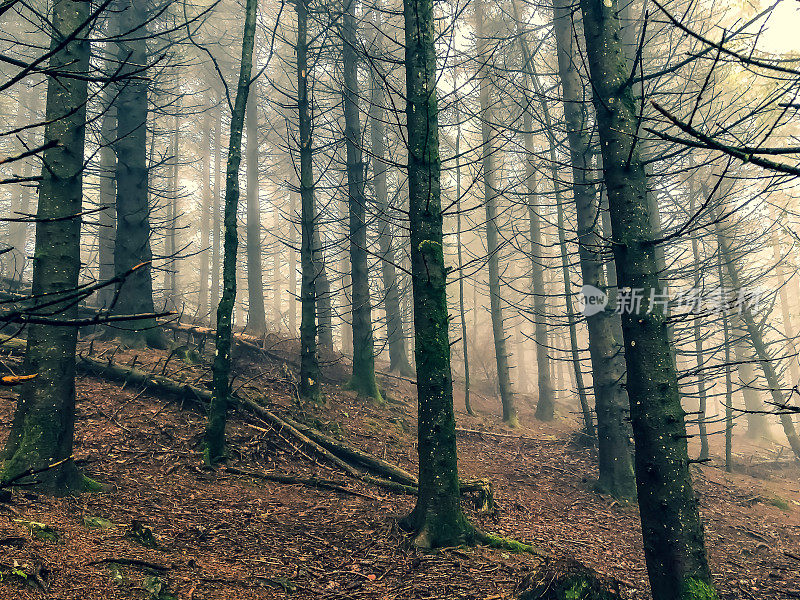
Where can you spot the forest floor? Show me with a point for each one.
(221, 535)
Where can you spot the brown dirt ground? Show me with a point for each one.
(226, 536)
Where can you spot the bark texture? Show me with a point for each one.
(671, 528)
(43, 425)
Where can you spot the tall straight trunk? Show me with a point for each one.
(171, 291)
(608, 370)
(541, 336)
(786, 317)
(292, 264)
(345, 298)
(323, 287)
(698, 343)
(464, 336)
(674, 547)
(757, 424)
(755, 336)
(545, 406)
(437, 518)
(309, 365)
(215, 210)
(257, 320)
(492, 231)
(398, 356)
(20, 199)
(205, 216)
(363, 378)
(728, 379)
(132, 243)
(107, 218)
(221, 369)
(42, 429)
(277, 260)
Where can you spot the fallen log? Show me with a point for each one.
(480, 489)
(373, 463)
(316, 482)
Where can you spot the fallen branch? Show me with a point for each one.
(480, 488)
(133, 562)
(325, 484)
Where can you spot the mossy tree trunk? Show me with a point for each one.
(132, 243)
(398, 355)
(309, 365)
(43, 424)
(217, 412)
(671, 528)
(492, 228)
(437, 518)
(257, 320)
(363, 378)
(608, 369)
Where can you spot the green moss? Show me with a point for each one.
(510, 545)
(697, 589)
(40, 530)
(779, 502)
(97, 523)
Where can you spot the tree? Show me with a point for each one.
(257, 320)
(398, 357)
(492, 231)
(309, 239)
(671, 528)
(132, 241)
(221, 370)
(608, 370)
(42, 430)
(437, 518)
(363, 377)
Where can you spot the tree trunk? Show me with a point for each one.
(20, 199)
(257, 320)
(205, 217)
(671, 528)
(217, 412)
(464, 336)
(309, 365)
(608, 369)
(277, 282)
(492, 231)
(215, 212)
(43, 424)
(292, 264)
(171, 291)
(363, 378)
(437, 519)
(698, 342)
(754, 334)
(398, 356)
(108, 217)
(540, 335)
(132, 244)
